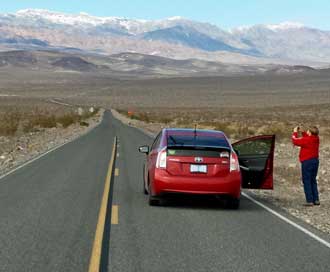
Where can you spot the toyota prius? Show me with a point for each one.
(190, 161)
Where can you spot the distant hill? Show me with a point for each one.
(290, 69)
(74, 63)
(23, 41)
(134, 64)
(17, 58)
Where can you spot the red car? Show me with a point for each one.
(204, 162)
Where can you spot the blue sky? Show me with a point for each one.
(224, 13)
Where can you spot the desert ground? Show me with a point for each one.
(30, 127)
(241, 106)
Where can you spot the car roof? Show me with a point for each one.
(178, 137)
(191, 131)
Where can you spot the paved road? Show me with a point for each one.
(198, 235)
(49, 211)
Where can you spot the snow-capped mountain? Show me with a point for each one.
(287, 41)
(175, 37)
(273, 27)
(80, 20)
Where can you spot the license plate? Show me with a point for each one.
(198, 168)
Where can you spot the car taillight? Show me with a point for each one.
(234, 165)
(224, 154)
(161, 159)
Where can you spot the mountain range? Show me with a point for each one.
(134, 65)
(176, 37)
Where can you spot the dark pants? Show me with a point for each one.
(309, 170)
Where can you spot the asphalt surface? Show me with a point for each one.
(198, 234)
(49, 210)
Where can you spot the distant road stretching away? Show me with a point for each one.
(49, 213)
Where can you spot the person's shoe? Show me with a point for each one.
(309, 204)
(317, 203)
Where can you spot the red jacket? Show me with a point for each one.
(309, 145)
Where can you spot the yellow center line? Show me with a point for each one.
(117, 172)
(114, 215)
(94, 263)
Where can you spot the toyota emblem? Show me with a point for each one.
(198, 159)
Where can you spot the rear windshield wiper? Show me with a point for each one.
(175, 142)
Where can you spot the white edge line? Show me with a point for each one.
(47, 152)
(297, 226)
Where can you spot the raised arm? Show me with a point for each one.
(299, 141)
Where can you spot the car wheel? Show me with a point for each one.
(144, 189)
(234, 203)
(153, 200)
(144, 184)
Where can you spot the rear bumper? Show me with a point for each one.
(165, 183)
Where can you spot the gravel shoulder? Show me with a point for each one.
(288, 192)
(17, 150)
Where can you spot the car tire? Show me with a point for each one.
(153, 200)
(144, 184)
(234, 203)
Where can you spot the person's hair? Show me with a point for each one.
(314, 130)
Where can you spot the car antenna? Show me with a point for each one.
(195, 132)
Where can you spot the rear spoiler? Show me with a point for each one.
(199, 147)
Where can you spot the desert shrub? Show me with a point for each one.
(40, 119)
(88, 114)
(84, 124)
(164, 120)
(9, 123)
(250, 131)
(67, 119)
(185, 122)
(142, 116)
(206, 124)
(45, 121)
(228, 128)
(325, 132)
(181, 122)
(281, 130)
(14, 120)
(28, 126)
(121, 111)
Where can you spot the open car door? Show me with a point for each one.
(256, 159)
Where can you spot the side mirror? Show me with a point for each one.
(144, 149)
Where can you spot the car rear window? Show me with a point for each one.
(197, 141)
(191, 152)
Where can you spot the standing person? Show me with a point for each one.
(309, 157)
